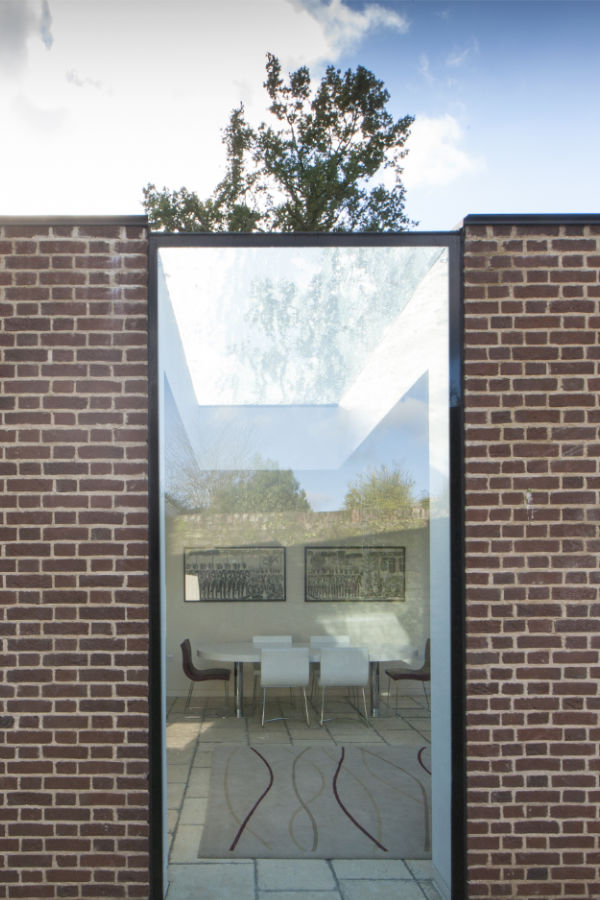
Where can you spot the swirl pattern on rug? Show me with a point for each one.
(322, 802)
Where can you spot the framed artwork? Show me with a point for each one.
(354, 574)
(234, 574)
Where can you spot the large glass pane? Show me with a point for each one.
(304, 409)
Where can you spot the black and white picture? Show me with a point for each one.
(231, 574)
(354, 574)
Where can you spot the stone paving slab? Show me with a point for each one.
(212, 881)
(380, 890)
(292, 874)
(299, 895)
(372, 869)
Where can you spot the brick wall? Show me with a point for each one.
(532, 356)
(74, 563)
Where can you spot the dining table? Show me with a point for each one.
(240, 652)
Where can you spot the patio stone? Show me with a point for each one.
(176, 757)
(299, 895)
(198, 783)
(390, 723)
(193, 811)
(314, 736)
(355, 737)
(372, 869)
(185, 844)
(175, 790)
(420, 868)
(291, 874)
(380, 890)
(212, 881)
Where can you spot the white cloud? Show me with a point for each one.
(345, 27)
(424, 68)
(436, 157)
(458, 57)
(122, 92)
(20, 20)
(46, 24)
(38, 119)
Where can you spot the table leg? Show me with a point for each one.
(238, 682)
(374, 689)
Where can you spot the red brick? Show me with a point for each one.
(558, 334)
(49, 671)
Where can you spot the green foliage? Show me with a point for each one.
(306, 339)
(268, 490)
(312, 169)
(381, 492)
(262, 490)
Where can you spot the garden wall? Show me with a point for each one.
(532, 388)
(74, 564)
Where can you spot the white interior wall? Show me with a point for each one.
(369, 623)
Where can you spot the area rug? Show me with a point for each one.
(314, 802)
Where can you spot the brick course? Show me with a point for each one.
(532, 551)
(74, 565)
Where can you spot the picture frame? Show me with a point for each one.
(354, 574)
(234, 575)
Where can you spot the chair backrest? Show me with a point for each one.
(344, 666)
(427, 662)
(272, 640)
(188, 665)
(284, 667)
(329, 640)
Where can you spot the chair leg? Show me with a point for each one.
(365, 707)
(189, 696)
(426, 694)
(306, 707)
(322, 705)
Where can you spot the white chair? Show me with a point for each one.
(272, 640)
(344, 667)
(284, 667)
(329, 640)
(316, 641)
(267, 640)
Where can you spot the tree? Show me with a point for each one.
(381, 492)
(312, 169)
(262, 490)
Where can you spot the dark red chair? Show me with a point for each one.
(196, 675)
(405, 674)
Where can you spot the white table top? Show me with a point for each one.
(246, 652)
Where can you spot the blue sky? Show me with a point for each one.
(512, 88)
(99, 97)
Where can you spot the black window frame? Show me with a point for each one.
(454, 241)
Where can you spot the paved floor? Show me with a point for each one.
(191, 739)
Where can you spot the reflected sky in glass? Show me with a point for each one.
(299, 358)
